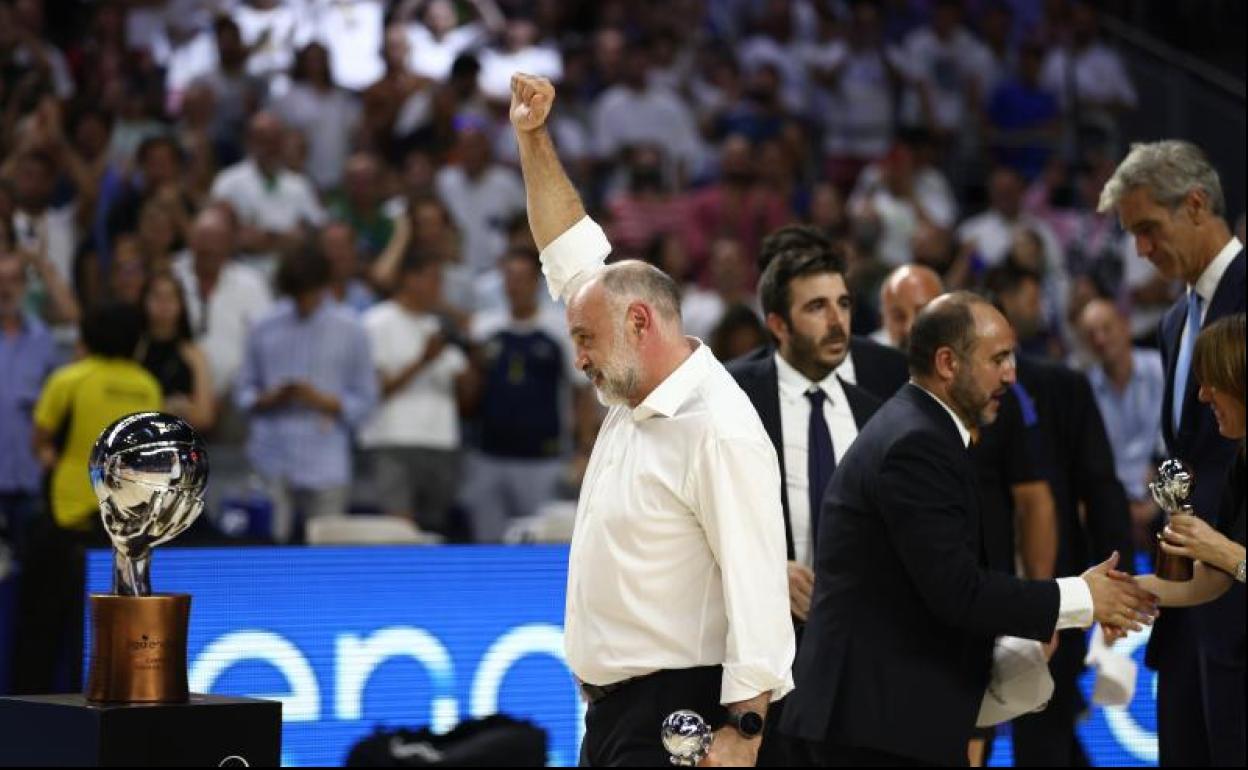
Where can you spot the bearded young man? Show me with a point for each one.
(897, 652)
(810, 414)
(677, 596)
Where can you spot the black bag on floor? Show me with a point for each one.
(495, 741)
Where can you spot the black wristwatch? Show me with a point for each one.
(748, 723)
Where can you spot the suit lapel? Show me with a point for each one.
(861, 403)
(764, 392)
(1228, 298)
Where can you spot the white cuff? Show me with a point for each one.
(1076, 608)
(582, 248)
(743, 682)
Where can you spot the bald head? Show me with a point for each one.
(1106, 332)
(264, 139)
(905, 292)
(212, 239)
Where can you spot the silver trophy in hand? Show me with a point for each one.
(687, 737)
(1172, 491)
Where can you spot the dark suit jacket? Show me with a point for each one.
(1198, 444)
(879, 369)
(1078, 462)
(898, 647)
(758, 378)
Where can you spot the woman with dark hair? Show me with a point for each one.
(326, 115)
(1218, 578)
(168, 351)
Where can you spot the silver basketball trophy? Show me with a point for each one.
(1172, 491)
(687, 737)
(148, 471)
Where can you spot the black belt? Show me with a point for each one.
(596, 692)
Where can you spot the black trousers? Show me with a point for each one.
(778, 749)
(622, 729)
(48, 654)
(1048, 739)
(835, 755)
(1182, 735)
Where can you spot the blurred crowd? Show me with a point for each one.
(299, 224)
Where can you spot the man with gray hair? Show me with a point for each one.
(1169, 198)
(677, 589)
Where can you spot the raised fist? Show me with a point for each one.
(531, 99)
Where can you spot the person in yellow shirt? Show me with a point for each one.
(82, 399)
(78, 402)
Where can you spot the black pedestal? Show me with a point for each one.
(208, 730)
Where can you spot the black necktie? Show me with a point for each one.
(820, 460)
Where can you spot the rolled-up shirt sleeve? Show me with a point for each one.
(576, 254)
(736, 491)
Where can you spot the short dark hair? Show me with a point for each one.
(43, 158)
(1007, 278)
(224, 24)
(112, 329)
(793, 252)
(153, 142)
(945, 323)
(793, 238)
(416, 260)
(302, 270)
(526, 255)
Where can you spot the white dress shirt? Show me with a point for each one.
(1075, 608)
(795, 433)
(222, 322)
(1207, 284)
(678, 554)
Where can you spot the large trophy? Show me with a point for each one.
(1172, 489)
(148, 471)
(687, 737)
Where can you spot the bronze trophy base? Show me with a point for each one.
(1177, 569)
(138, 648)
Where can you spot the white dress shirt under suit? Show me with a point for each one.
(678, 555)
(794, 427)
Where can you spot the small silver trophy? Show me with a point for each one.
(1172, 489)
(687, 737)
(148, 471)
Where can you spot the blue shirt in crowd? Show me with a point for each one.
(329, 350)
(1017, 106)
(1133, 418)
(25, 362)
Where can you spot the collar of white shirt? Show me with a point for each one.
(963, 431)
(666, 399)
(794, 385)
(1208, 282)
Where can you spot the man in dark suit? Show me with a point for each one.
(1169, 197)
(1076, 460)
(876, 368)
(897, 651)
(810, 414)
